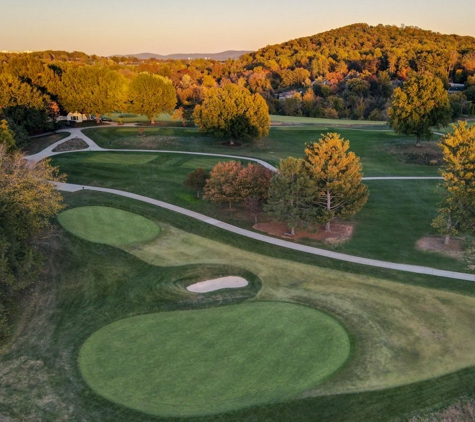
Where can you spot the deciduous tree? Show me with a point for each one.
(421, 103)
(254, 182)
(457, 210)
(151, 95)
(92, 90)
(234, 112)
(336, 174)
(222, 185)
(7, 137)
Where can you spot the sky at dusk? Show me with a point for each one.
(207, 26)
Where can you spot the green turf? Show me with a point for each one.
(200, 362)
(324, 121)
(120, 158)
(108, 225)
(374, 147)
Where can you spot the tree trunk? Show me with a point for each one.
(152, 120)
(329, 203)
(255, 220)
(418, 141)
(230, 206)
(231, 142)
(449, 229)
(292, 231)
(198, 194)
(98, 118)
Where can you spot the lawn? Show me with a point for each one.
(372, 146)
(108, 225)
(412, 346)
(200, 362)
(397, 214)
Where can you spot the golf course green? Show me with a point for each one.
(206, 361)
(107, 225)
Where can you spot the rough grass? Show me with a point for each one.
(323, 121)
(108, 225)
(207, 361)
(400, 331)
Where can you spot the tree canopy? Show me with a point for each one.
(234, 112)
(292, 195)
(457, 210)
(421, 103)
(92, 90)
(151, 95)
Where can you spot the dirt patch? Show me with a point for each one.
(428, 153)
(436, 244)
(340, 232)
(71, 145)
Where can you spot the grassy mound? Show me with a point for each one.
(108, 225)
(208, 361)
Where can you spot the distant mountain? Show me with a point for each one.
(229, 54)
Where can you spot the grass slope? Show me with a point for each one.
(206, 361)
(108, 225)
(373, 146)
(397, 214)
(401, 332)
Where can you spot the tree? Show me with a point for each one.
(27, 203)
(336, 174)
(292, 194)
(222, 184)
(421, 103)
(7, 137)
(151, 95)
(254, 182)
(196, 180)
(457, 210)
(92, 90)
(234, 112)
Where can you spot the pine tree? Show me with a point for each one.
(457, 210)
(336, 174)
(291, 195)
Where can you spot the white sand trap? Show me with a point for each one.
(231, 282)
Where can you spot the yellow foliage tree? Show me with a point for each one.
(457, 210)
(337, 176)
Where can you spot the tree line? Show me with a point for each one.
(350, 72)
(319, 188)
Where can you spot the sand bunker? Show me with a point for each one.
(230, 282)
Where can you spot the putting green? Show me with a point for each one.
(200, 362)
(108, 225)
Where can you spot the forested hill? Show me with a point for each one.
(363, 47)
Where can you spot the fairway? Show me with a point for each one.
(201, 362)
(120, 158)
(108, 225)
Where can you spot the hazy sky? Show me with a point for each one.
(207, 26)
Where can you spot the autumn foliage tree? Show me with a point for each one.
(27, 202)
(222, 184)
(233, 112)
(457, 210)
(336, 175)
(92, 90)
(421, 103)
(151, 95)
(7, 137)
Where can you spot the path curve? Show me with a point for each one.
(92, 146)
(69, 187)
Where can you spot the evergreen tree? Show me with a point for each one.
(196, 180)
(291, 195)
(336, 174)
(457, 210)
